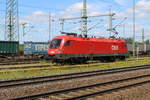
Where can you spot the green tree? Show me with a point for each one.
(129, 40)
(147, 42)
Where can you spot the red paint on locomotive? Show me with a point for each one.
(80, 45)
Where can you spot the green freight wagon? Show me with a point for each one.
(9, 47)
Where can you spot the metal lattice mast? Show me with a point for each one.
(84, 18)
(12, 23)
(133, 42)
(110, 22)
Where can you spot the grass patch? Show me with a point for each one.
(45, 62)
(61, 70)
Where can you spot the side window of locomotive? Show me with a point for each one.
(68, 43)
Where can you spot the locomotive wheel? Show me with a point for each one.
(122, 58)
(78, 60)
(112, 59)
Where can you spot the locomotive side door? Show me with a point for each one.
(91, 48)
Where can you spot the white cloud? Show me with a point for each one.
(94, 13)
(143, 5)
(76, 9)
(142, 9)
(39, 13)
(38, 17)
(123, 2)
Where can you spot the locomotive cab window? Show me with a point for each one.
(55, 43)
(68, 43)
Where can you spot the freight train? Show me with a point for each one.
(35, 48)
(141, 49)
(71, 48)
(41, 48)
(12, 49)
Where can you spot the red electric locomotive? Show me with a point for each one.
(76, 49)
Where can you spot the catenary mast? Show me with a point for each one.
(11, 21)
(84, 18)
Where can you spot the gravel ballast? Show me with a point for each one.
(48, 87)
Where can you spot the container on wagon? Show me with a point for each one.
(35, 48)
(9, 47)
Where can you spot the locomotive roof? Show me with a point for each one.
(88, 38)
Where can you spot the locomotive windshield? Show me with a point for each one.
(55, 43)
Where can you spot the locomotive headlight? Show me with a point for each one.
(52, 52)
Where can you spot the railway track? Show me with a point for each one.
(55, 78)
(24, 67)
(89, 91)
(18, 62)
(53, 66)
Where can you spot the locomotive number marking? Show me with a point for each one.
(115, 47)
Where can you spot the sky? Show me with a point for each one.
(35, 13)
